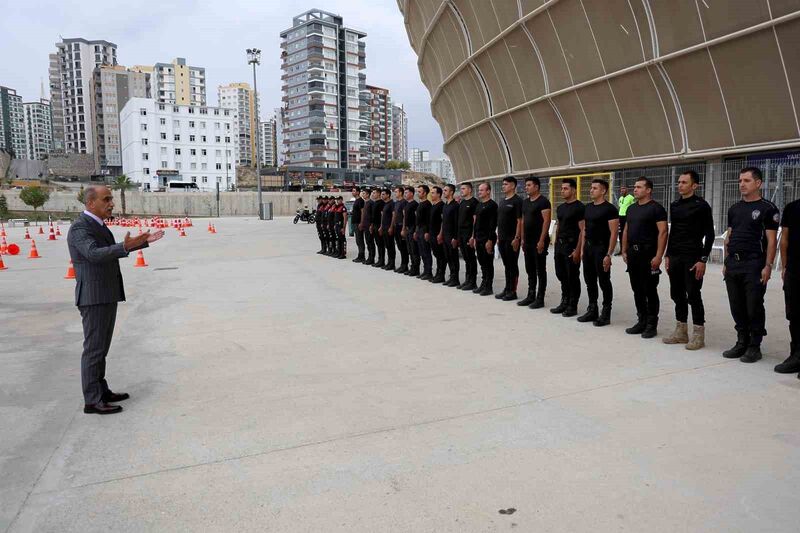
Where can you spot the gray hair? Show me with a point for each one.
(91, 193)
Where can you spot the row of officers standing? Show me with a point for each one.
(427, 223)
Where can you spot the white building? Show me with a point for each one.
(400, 133)
(12, 123)
(177, 82)
(71, 86)
(165, 143)
(418, 155)
(439, 167)
(38, 129)
(239, 97)
(322, 62)
(281, 147)
(269, 146)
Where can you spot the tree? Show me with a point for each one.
(122, 183)
(81, 194)
(34, 196)
(3, 206)
(394, 164)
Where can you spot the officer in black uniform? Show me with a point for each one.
(366, 226)
(750, 248)
(569, 244)
(324, 225)
(691, 237)
(377, 213)
(790, 264)
(358, 206)
(385, 231)
(535, 242)
(423, 229)
(644, 240)
(448, 236)
(398, 221)
(334, 239)
(409, 228)
(318, 223)
(601, 223)
(466, 222)
(434, 234)
(509, 236)
(484, 237)
(341, 228)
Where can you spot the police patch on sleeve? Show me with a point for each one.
(776, 217)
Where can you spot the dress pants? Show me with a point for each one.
(568, 272)
(424, 248)
(438, 252)
(510, 264)
(622, 221)
(413, 249)
(536, 268)
(593, 273)
(451, 256)
(360, 242)
(470, 261)
(644, 281)
(486, 260)
(684, 290)
(402, 246)
(98, 329)
(369, 237)
(380, 244)
(746, 295)
(388, 243)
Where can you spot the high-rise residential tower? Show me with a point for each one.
(177, 82)
(38, 129)
(269, 145)
(400, 133)
(71, 87)
(12, 123)
(322, 62)
(113, 87)
(378, 149)
(240, 97)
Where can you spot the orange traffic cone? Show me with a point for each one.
(213, 229)
(3, 247)
(52, 236)
(182, 233)
(58, 231)
(41, 230)
(2, 265)
(27, 234)
(34, 252)
(2, 230)
(140, 260)
(209, 227)
(70, 271)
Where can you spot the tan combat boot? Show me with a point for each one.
(679, 336)
(698, 338)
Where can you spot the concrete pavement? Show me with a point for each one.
(278, 390)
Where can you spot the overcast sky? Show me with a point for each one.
(213, 35)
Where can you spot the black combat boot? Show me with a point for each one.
(792, 364)
(590, 315)
(651, 328)
(479, 288)
(538, 303)
(605, 317)
(502, 295)
(469, 284)
(487, 290)
(528, 300)
(571, 309)
(560, 308)
(510, 296)
(751, 355)
(738, 349)
(638, 328)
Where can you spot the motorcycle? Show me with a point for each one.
(305, 216)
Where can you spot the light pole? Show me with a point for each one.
(254, 58)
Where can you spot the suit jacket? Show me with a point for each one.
(95, 255)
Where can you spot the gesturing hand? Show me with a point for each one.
(153, 237)
(131, 243)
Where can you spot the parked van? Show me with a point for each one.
(179, 186)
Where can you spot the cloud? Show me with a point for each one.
(213, 35)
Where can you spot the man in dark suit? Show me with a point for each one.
(99, 287)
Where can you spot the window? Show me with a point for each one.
(216, 125)
(204, 152)
(177, 151)
(144, 142)
(177, 137)
(144, 127)
(218, 153)
(191, 123)
(145, 170)
(143, 112)
(216, 111)
(205, 179)
(229, 166)
(161, 107)
(162, 121)
(176, 109)
(164, 150)
(163, 164)
(227, 127)
(192, 151)
(204, 166)
(145, 157)
(176, 124)
(202, 125)
(217, 139)
(193, 166)
(203, 138)
(177, 165)
(191, 111)
(191, 138)
(227, 139)
(219, 166)
(163, 136)
(194, 179)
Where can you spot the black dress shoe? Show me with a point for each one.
(113, 397)
(751, 355)
(358, 260)
(510, 296)
(102, 408)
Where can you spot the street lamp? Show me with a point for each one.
(254, 58)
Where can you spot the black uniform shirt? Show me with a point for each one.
(435, 225)
(358, 205)
(486, 221)
(692, 222)
(386, 216)
(466, 210)
(641, 223)
(410, 214)
(748, 222)
(509, 210)
(366, 213)
(596, 218)
(377, 211)
(399, 208)
(450, 220)
(424, 216)
(318, 216)
(569, 215)
(532, 218)
(791, 221)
